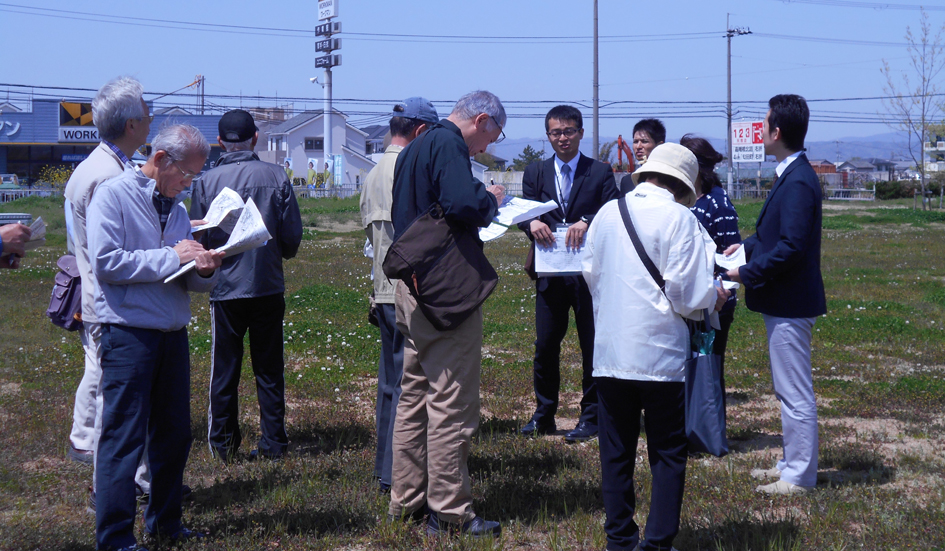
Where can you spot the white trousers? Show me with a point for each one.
(789, 342)
(87, 414)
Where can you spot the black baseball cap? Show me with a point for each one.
(236, 126)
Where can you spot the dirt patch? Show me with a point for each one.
(9, 389)
(337, 227)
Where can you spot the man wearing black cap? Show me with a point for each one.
(408, 120)
(249, 292)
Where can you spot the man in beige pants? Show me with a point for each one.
(438, 410)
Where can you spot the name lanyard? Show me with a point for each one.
(564, 198)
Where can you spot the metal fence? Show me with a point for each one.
(341, 192)
(849, 194)
(8, 195)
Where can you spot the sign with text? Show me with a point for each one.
(328, 29)
(748, 142)
(75, 123)
(328, 45)
(328, 61)
(327, 9)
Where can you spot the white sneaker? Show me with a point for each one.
(762, 474)
(782, 487)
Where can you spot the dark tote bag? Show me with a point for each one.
(705, 410)
(65, 304)
(705, 413)
(444, 268)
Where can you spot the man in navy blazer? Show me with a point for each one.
(580, 185)
(783, 282)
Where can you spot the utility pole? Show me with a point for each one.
(596, 140)
(729, 33)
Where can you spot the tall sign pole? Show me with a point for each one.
(327, 10)
(596, 141)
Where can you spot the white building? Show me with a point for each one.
(302, 137)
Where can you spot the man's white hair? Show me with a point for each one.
(179, 141)
(115, 104)
(480, 101)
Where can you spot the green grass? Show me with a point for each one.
(879, 374)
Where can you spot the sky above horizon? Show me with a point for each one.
(668, 57)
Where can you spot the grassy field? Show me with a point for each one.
(879, 374)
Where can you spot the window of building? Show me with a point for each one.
(314, 144)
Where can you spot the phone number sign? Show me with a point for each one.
(748, 142)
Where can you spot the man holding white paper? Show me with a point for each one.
(249, 295)
(138, 234)
(580, 186)
(783, 282)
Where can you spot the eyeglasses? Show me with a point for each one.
(569, 132)
(501, 132)
(149, 117)
(185, 174)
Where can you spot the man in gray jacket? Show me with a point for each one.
(122, 120)
(249, 294)
(139, 234)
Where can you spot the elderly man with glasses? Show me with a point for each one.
(580, 185)
(139, 234)
(438, 411)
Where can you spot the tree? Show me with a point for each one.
(912, 102)
(487, 159)
(528, 156)
(606, 150)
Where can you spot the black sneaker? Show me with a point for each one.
(476, 528)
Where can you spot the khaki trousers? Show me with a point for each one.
(437, 414)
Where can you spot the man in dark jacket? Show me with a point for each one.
(249, 293)
(783, 282)
(438, 411)
(580, 185)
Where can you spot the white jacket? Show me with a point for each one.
(639, 332)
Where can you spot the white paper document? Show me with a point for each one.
(732, 261)
(37, 235)
(249, 233)
(558, 260)
(730, 285)
(512, 211)
(224, 211)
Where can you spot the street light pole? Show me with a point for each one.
(326, 146)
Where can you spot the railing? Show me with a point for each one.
(849, 194)
(342, 191)
(741, 191)
(7, 195)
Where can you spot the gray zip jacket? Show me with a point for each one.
(131, 256)
(258, 272)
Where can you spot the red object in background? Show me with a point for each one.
(757, 129)
(624, 147)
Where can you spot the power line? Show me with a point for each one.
(870, 5)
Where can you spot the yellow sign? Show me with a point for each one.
(75, 114)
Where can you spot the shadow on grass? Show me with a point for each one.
(495, 426)
(851, 464)
(322, 439)
(746, 534)
(330, 520)
(233, 491)
(745, 441)
(521, 482)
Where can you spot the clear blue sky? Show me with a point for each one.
(535, 51)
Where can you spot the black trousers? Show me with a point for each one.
(663, 405)
(262, 317)
(555, 297)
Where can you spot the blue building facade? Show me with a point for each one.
(60, 133)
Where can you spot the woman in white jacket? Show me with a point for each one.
(642, 341)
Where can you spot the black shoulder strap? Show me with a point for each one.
(628, 222)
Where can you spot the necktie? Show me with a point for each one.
(565, 184)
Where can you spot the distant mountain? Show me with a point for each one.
(890, 145)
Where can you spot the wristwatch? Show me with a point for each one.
(585, 220)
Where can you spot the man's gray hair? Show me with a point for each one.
(237, 146)
(480, 101)
(115, 104)
(179, 141)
